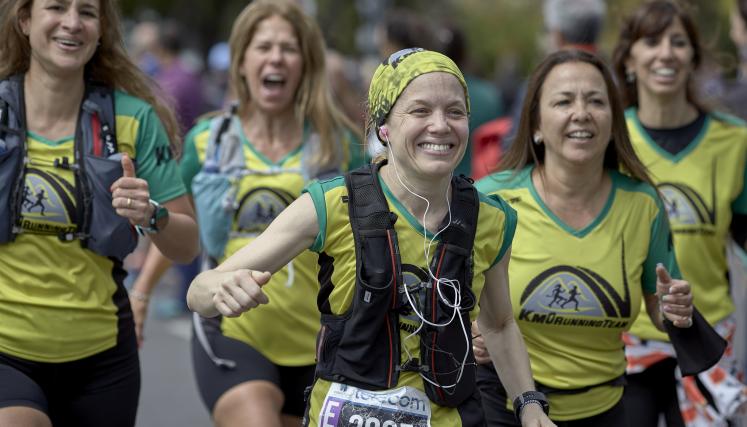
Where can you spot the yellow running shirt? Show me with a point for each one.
(495, 228)
(702, 186)
(575, 291)
(284, 331)
(58, 301)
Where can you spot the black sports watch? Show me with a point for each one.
(530, 397)
(159, 212)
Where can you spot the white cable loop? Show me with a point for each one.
(453, 283)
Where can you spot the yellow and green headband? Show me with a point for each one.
(392, 77)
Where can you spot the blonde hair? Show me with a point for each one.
(109, 65)
(313, 99)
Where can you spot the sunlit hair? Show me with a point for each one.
(109, 65)
(313, 99)
(650, 20)
(523, 152)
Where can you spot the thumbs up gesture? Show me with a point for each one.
(130, 195)
(675, 298)
(240, 291)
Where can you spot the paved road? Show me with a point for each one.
(169, 397)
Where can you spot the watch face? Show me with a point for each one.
(161, 212)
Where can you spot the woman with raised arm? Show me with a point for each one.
(591, 245)
(283, 132)
(406, 252)
(698, 160)
(87, 160)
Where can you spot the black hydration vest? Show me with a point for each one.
(96, 165)
(362, 347)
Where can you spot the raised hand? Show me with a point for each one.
(675, 298)
(131, 196)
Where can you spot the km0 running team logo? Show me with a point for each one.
(575, 296)
(47, 203)
(259, 207)
(687, 207)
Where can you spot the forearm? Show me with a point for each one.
(509, 355)
(154, 267)
(179, 240)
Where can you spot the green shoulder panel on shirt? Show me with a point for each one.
(138, 126)
(728, 118)
(625, 182)
(661, 249)
(193, 153)
(504, 180)
(740, 203)
(509, 224)
(317, 190)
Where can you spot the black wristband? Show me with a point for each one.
(530, 397)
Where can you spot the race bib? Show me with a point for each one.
(347, 406)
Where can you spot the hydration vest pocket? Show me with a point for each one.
(365, 341)
(10, 163)
(448, 353)
(448, 350)
(214, 211)
(117, 238)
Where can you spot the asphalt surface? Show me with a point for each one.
(168, 396)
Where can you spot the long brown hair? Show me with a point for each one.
(651, 19)
(109, 65)
(313, 97)
(523, 152)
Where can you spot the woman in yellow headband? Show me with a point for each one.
(406, 254)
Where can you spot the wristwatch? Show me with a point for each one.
(530, 397)
(159, 213)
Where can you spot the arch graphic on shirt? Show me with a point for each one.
(259, 207)
(47, 198)
(577, 291)
(685, 206)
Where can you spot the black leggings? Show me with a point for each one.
(651, 393)
(497, 415)
(100, 390)
(250, 365)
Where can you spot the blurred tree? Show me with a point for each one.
(499, 32)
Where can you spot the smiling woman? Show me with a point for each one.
(79, 171)
(698, 159)
(284, 133)
(391, 238)
(585, 256)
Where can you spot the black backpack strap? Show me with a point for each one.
(465, 205)
(13, 106)
(225, 123)
(367, 204)
(99, 104)
(12, 98)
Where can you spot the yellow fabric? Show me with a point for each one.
(575, 291)
(392, 77)
(284, 331)
(700, 185)
(56, 298)
(496, 222)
